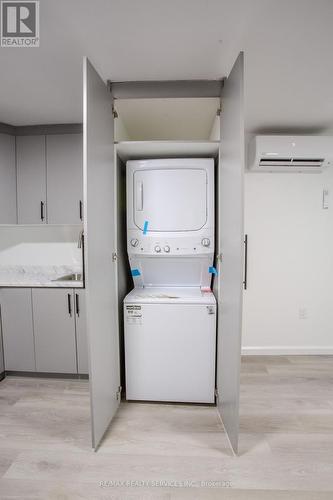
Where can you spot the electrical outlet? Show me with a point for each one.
(303, 313)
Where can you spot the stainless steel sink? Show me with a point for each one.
(70, 277)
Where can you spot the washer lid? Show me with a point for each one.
(179, 295)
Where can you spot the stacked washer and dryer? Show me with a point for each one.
(170, 315)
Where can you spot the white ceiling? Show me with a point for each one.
(287, 43)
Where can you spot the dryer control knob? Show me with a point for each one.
(134, 242)
(166, 248)
(205, 242)
(157, 249)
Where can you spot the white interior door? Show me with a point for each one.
(100, 244)
(230, 245)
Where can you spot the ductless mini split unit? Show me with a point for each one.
(282, 153)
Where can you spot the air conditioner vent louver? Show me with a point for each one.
(292, 154)
(291, 162)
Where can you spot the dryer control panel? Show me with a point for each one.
(139, 244)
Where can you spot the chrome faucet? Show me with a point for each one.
(80, 240)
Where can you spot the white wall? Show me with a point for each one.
(288, 307)
(39, 245)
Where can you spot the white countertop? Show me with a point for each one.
(38, 276)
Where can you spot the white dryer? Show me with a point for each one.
(170, 338)
(170, 216)
(175, 197)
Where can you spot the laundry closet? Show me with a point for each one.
(164, 242)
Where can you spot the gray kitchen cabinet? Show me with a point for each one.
(8, 214)
(54, 329)
(17, 329)
(64, 178)
(81, 331)
(2, 361)
(31, 179)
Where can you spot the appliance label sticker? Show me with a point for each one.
(133, 314)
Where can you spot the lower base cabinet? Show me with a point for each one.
(44, 330)
(81, 331)
(17, 329)
(54, 330)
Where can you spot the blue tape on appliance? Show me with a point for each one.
(213, 270)
(145, 227)
(135, 272)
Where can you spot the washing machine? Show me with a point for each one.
(170, 339)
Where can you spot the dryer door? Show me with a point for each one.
(170, 199)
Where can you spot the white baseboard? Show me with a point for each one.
(286, 350)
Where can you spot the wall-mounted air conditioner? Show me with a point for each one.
(283, 153)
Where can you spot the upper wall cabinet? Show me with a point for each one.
(64, 178)
(49, 179)
(7, 180)
(31, 179)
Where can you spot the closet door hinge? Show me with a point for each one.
(118, 393)
(114, 112)
(216, 393)
(219, 257)
(219, 111)
(114, 256)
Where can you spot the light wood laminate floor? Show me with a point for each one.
(286, 440)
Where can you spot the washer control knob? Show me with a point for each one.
(134, 242)
(157, 249)
(205, 242)
(166, 248)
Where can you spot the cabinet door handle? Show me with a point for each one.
(81, 210)
(42, 215)
(69, 304)
(77, 303)
(245, 263)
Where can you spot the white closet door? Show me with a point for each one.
(100, 244)
(230, 245)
